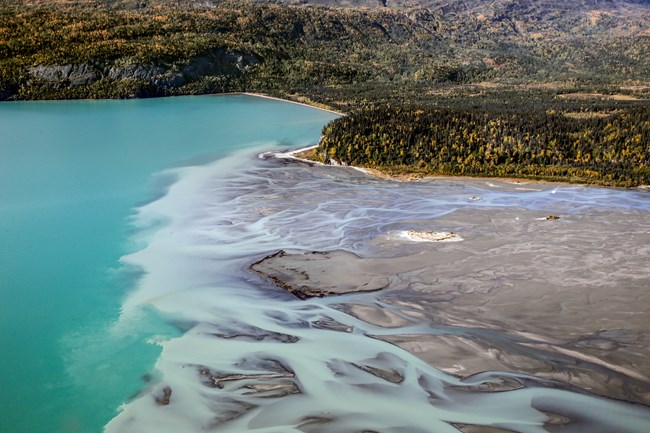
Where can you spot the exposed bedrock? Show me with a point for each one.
(217, 62)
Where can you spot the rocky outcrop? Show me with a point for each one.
(74, 75)
(217, 62)
(149, 73)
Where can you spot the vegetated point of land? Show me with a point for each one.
(606, 150)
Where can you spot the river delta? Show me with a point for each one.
(524, 323)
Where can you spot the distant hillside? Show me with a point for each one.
(530, 9)
(520, 19)
(332, 54)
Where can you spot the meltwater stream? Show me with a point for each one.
(252, 358)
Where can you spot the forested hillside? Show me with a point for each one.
(333, 55)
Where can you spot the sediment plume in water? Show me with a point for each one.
(527, 325)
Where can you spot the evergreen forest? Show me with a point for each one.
(607, 149)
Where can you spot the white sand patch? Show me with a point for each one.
(292, 155)
(422, 236)
(260, 95)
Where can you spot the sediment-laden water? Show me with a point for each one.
(487, 348)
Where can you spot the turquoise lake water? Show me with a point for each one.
(71, 174)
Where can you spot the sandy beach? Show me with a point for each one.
(312, 105)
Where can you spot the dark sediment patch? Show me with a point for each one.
(469, 428)
(247, 332)
(262, 377)
(317, 274)
(163, 397)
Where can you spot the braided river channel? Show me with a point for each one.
(132, 298)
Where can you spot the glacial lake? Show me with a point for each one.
(127, 232)
(71, 175)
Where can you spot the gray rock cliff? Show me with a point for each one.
(217, 62)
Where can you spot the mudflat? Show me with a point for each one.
(560, 298)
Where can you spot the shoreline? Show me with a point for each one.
(275, 98)
(415, 177)
(257, 95)
(409, 177)
(406, 177)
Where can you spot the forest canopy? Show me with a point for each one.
(608, 149)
